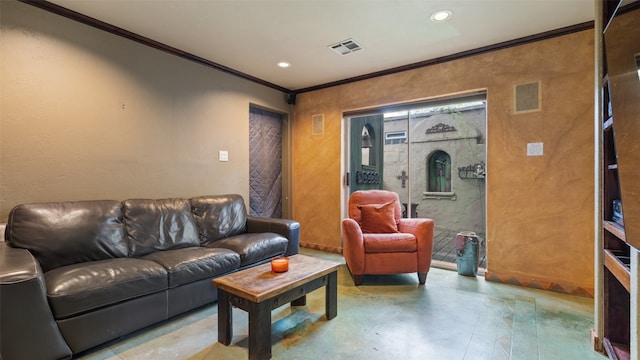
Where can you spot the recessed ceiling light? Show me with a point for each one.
(441, 15)
(284, 64)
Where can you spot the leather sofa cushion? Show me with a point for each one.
(156, 225)
(254, 247)
(219, 216)
(79, 288)
(386, 243)
(65, 233)
(193, 264)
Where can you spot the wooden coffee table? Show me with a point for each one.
(258, 290)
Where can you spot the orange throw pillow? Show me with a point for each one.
(378, 218)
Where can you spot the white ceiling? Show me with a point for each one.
(252, 36)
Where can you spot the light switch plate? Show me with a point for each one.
(223, 155)
(535, 149)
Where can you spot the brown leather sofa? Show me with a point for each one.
(74, 275)
(376, 240)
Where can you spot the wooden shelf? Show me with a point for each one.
(618, 265)
(615, 228)
(616, 351)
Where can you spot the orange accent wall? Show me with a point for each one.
(539, 209)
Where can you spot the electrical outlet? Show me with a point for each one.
(223, 155)
(535, 149)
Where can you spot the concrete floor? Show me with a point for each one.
(389, 317)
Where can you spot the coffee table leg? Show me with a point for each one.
(260, 330)
(225, 318)
(331, 296)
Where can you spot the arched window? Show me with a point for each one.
(439, 172)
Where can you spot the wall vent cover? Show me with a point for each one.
(346, 47)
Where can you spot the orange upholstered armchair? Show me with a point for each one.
(376, 240)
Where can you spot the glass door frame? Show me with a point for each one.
(425, 103)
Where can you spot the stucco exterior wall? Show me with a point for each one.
(539, 209)
(462, 209)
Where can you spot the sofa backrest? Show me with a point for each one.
(65, 233)
(219, 216)
(155, 225)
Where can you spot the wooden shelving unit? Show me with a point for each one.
(617, 288)
(617, 249)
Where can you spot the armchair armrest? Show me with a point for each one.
(353, 245)
(285, 227)
(422, 229)
(27, 327)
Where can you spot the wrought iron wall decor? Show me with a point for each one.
(367, 177)
(403, 177)
(475, 171)
(440, 127)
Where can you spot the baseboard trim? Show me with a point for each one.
(554, 286)
(320, 247)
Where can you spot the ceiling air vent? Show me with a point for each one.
(346, 47)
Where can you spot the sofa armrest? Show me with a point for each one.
(27, 327)
(285, 227)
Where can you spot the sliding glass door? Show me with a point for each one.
(432, 154)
